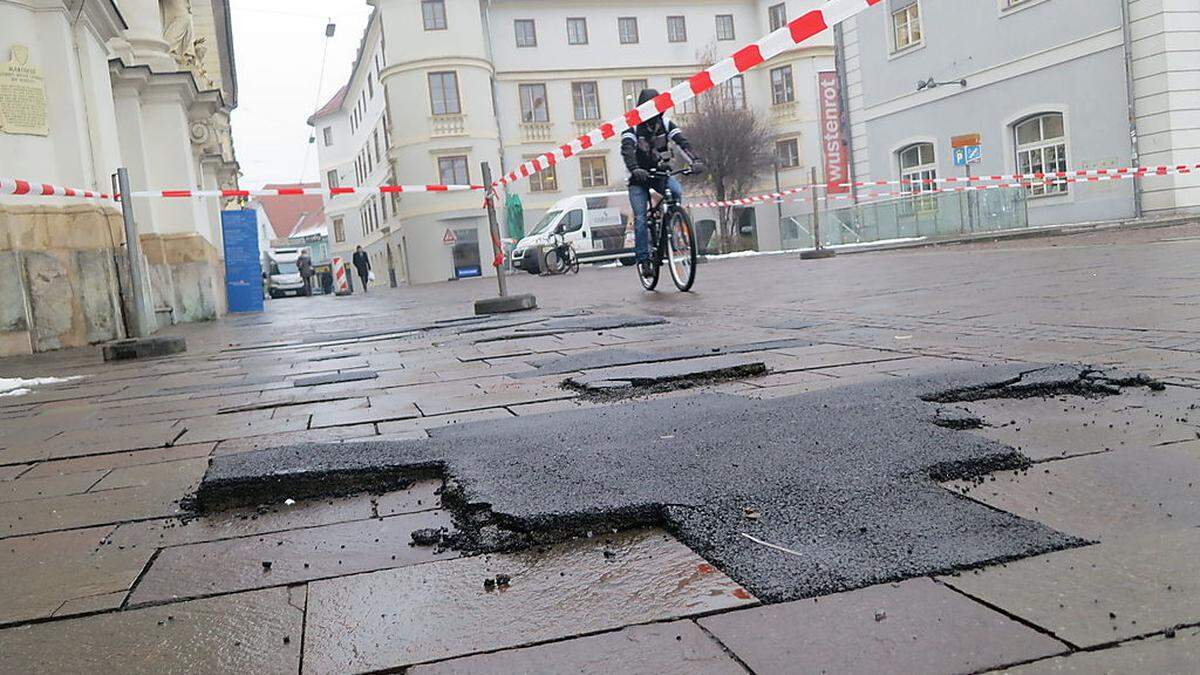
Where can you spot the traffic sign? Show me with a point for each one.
(966, 140)
(449, 238)
(971, 154)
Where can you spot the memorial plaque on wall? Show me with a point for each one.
(22, 96)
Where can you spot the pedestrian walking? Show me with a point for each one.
(305, 265)
(362, 264)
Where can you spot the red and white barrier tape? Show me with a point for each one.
(1082, 175)
(13, 186)
(795, 32)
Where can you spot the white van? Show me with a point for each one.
(283, 276)
(599, 226)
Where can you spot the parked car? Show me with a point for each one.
(598, 226)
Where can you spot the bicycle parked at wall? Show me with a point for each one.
(671, 235)
(560, 257)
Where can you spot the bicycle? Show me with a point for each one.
(671, 235)
(560, 257)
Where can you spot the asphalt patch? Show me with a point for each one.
(609, 358)
(335, 378)
(792, 497)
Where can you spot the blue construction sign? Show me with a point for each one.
(243, 261)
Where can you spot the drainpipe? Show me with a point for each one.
(1127, 33)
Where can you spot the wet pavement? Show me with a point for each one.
(106, 561)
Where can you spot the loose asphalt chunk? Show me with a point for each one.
(630, 379)
(916, 626)
(846, 480)
(441, 610)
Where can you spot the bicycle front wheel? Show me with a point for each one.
(572, 260)
(681, 249)
(553, 262)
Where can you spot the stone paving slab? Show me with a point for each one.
(1098, 496)
(385, 407)
(231, 446)
(290, 557)
(119, 460)
(916, 626)
(42, 572)
(675, 648)
(237, 425)
(441, 421)
(52, 486)
(92, 441)
(1129, 586)
(441, 610)
(644, 375)
(11, 472)
(335, 378)
(1178, 655)
(256, 632)
(139, 493)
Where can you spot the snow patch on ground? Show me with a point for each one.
(861, 244)
(16, 386)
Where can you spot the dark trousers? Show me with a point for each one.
(362, 274)
(308, 285)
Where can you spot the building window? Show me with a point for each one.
(586, 99)
(628, 30)
(689, 106)
(339, 230)
(331, 179)
(734, 92)
(453, 170)
(906, 26)
(593, 172)
(533, 103)
(782, 87)
(544, 181)
(443, 94)
(918, 173)
(526, 31)
(370, 85)
(577, 31)
(788, 153)
(777, 16)
(724, 26)
(327, 133)
(629, 92)
(433, 12)
(676, 29)
(378, 151)
(1042, 148)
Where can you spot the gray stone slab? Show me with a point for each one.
(289, 557)
(94, 440)
(1147, 582)
(8, 473)
(608, 358)
(1178, 655)
(119, 460)
(381, 408)
(1098, 496)
(274, 440)
(916, 626)
(675, 648)
(411, 615)
(846, 476)
(52, 486)
(238, 425)
(335, 378)
(256, 632)
(42, 572)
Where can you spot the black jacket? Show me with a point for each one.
(362, 263)
(646, 146)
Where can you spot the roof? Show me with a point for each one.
(332, 106)
(311, 222)
(285, 213)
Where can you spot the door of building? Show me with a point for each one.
(466, 254)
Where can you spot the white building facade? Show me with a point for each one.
(142, 84)
(1047, 85)
(499, 81)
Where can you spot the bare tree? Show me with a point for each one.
(736, 147)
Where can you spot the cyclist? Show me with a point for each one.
(646, 148)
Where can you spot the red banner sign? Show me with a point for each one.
(833, 146)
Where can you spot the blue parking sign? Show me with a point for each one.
(971, 154)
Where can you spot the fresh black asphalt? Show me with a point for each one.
(845, 479)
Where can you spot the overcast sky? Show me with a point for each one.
(277, 46)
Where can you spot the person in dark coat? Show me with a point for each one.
(305, 265)
(362, 264)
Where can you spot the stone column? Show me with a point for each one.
(145, 34)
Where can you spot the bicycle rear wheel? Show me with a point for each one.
(681, 249)
(553, 263)
(572, 260)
